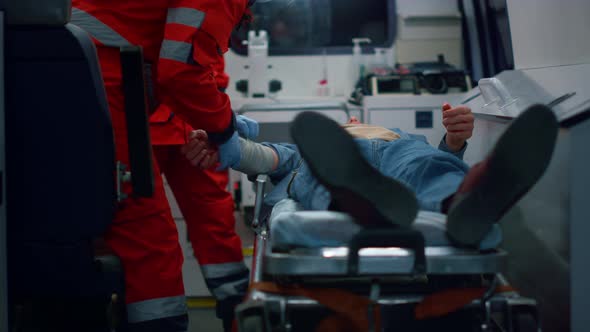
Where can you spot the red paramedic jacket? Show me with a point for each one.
(181, 40)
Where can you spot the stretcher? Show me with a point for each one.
(320, 271)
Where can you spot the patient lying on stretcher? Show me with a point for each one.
(382, 177)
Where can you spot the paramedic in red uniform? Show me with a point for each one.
(207, 208)
(180, 41)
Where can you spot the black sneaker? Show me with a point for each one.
(493, 186)
(357, 188)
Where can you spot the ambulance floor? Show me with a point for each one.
(204, 320)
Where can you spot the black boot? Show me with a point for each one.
(492, 187)
(225, 311)
(357, 188)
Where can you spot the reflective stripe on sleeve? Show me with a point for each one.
(156, 309)
(97, 29)
(175, 50)
(185, 16)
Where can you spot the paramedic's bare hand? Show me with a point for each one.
(210, 160)
(198, 150)
(458, 122)
(246, 127)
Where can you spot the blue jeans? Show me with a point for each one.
(432, 174)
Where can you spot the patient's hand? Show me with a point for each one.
(459, 124)
(199, 151)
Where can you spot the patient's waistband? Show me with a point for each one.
(370, 132)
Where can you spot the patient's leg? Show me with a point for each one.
(430, 173)
(474, 202)
(518, 160)
(355, 186)
(475, 198)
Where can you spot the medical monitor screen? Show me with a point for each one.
(318, 26)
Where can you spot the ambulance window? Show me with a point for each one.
(297, 27)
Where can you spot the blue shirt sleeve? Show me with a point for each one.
(289, 160)
(444, 147)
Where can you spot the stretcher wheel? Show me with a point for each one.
(252, 324)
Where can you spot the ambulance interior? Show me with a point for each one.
(391, 63)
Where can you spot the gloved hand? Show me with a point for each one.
(246, 127)
(229, 153)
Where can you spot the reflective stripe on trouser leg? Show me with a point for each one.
(156, 309)
(145, 238)
(226, 280)
(208, 210)
(168, 324)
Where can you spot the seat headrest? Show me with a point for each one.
(35, 12)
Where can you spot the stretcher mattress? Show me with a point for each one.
(316, 243)
(290, 227)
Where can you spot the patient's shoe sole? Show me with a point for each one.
(357, 188)
(518, 160)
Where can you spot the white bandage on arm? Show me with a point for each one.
(256, 158)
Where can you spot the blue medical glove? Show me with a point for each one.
(229, 153)
(246, 127)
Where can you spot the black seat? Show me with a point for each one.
(61, 192)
